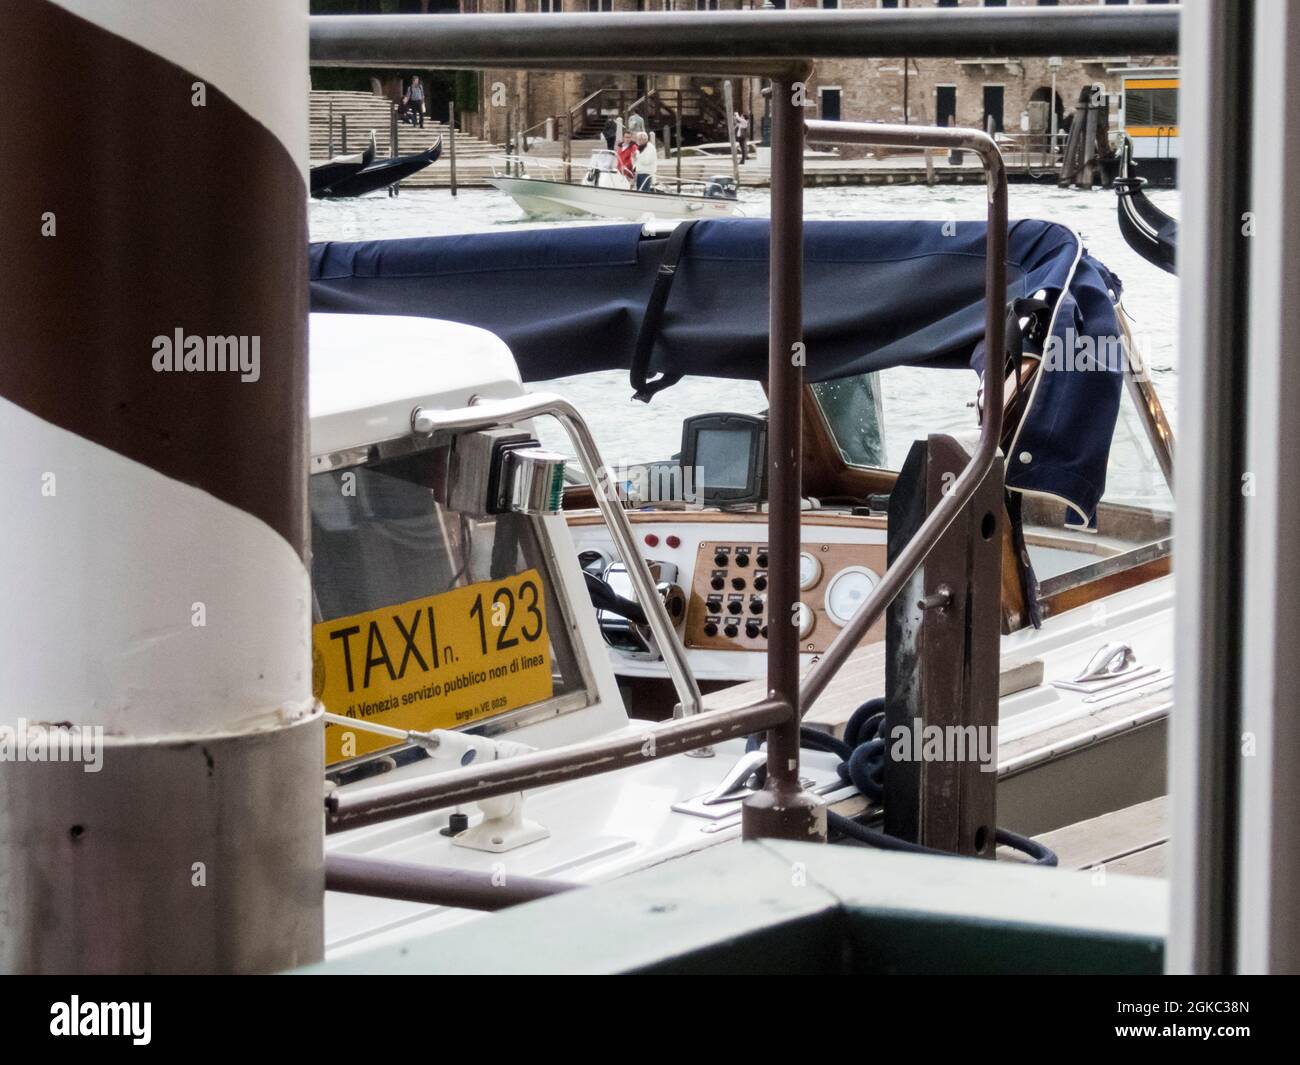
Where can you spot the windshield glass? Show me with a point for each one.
(629, 433)
(852, 408)
(426, 617)
(875, 417)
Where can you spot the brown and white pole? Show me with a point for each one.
(160, 755)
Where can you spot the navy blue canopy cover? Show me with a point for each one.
(876, 295)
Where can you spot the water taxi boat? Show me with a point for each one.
(436, 506)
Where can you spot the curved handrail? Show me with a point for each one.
(986, 451)
(488, 414)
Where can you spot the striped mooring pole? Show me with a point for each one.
(160, 752)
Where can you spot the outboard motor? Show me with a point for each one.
(720, 187)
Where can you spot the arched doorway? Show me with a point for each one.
(1044, 94)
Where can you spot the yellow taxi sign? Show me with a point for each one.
(442, 661)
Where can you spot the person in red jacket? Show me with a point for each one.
(625, 154)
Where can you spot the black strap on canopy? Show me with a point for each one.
(654, 312)
(1036, 316)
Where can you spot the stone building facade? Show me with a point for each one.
(970, 92)
(996, 89)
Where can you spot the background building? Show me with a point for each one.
(996, 90)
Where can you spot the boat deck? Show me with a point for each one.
(1134, 840)
(1078, 776)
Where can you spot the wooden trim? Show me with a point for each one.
(1015, 611)
(581, 518)
(1107, 585)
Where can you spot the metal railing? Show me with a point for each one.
(520, 166)
(493, 414)
(384, 802)
(986, 451)
(467, 889)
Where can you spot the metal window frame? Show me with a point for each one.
(1213, 367)
(553, 706)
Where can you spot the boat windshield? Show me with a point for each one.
(853, 410)
(425, 617)
(630, 433)
(874, 419)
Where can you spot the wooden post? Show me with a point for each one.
(189, 682)
(343, 125)
(942, 636)
(678, 141)
(727, 97)
(329, 136)
(451, 143)
(567, 151)
(520, 141)
(392, 130)
(510, 163)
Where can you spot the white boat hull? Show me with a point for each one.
(550, 198)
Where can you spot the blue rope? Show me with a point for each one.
(862, 764)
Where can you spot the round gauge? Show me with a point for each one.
(847, 591)
(594, 562)
(810, 571)
(805, 619)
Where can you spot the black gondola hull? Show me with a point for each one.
(382, 173)
(1145, 228)
(324, 176)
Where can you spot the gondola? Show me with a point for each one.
(381, 174)
(1147, 229)
(324, 176)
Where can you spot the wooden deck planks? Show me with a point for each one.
(1134, 841)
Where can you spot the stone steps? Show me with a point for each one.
(366, 112)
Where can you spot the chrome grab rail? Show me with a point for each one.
(986, 452)
(490, 414)
(358, 807)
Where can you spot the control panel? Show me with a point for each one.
(727, 609)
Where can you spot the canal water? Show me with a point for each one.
(915, 401)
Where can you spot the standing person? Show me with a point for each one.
(417, 99)
(610, 133)
(742, 135)
(647, 162)
(625, 156)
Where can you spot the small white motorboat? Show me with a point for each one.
(604, 192)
